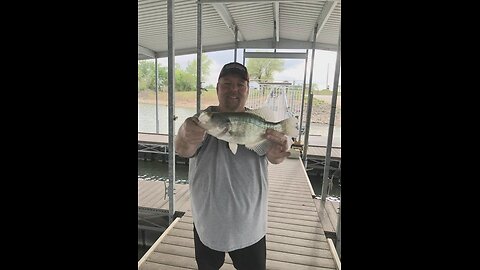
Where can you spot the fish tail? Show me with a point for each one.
(289, 126)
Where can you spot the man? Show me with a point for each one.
(228, 191)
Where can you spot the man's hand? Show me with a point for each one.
(190, 135)
(193, 132)
(279, 146)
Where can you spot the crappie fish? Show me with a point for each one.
(245, 128)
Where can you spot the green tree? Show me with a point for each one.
(146, 75)
(262, 69)
(206, 64)
(184, 81)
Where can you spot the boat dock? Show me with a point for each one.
(295, 234)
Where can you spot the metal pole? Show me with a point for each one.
(310, 100)
(328, 67)
(156, 97)
(236, 44)
(244, 57)
(338, 245)
(199, 55)
(331, 126)
(171, 110)
(303, 97)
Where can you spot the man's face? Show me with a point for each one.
(232, 92)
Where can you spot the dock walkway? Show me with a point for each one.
(295, 236)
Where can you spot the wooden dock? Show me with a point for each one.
(152, 194)
(320, 152)
(295, 235)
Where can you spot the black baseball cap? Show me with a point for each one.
(235, 68)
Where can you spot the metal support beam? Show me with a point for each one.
(157, 123)
(327, 10)
(146, 52)
(310, 101)
(285, 44)
(248, 1)
(199, 55)
(255, 44)
(276, 21)
(227, 18)
(236, 44)
(171, 109)
(282, 55)
(331, 125)
(303, 98)
(244, 57)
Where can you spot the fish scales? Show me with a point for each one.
(245, 128)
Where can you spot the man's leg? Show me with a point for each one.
(207, 258)
(253, 257)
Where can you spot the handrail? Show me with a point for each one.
(159, 240)
(334, 254)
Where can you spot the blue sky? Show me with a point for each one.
(293, 68)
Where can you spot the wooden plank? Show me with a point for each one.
(288, 221)
(278, 212)
(332, 213)
(333, 249)
(297, 241)
(158, 266)
(301, 259)
(281, 265)
(178, 241)
(292, 203)
(173, 260)
(296, 228)
(295, 234)
(324, 218)
(303, 207)
(152, 189)
(151, 250)
(294, 249)
(289, 197)
(293, 211)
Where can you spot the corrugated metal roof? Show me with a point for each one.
(255, 21)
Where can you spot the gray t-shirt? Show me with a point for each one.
(228, 195)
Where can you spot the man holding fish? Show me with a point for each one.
(230, 147)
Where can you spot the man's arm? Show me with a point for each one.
(190, 136)
(278, 150)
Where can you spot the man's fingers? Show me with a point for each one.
(276, 137)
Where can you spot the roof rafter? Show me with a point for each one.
(146, 51)
(276, 20)
(222, 10)
(323, 17)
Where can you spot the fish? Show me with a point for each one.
(246, 128)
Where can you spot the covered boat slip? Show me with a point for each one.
(295, 235)
(290, 29)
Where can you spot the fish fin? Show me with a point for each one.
(289, 126)
(260, 147)
(264, 112)
(233, 147)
